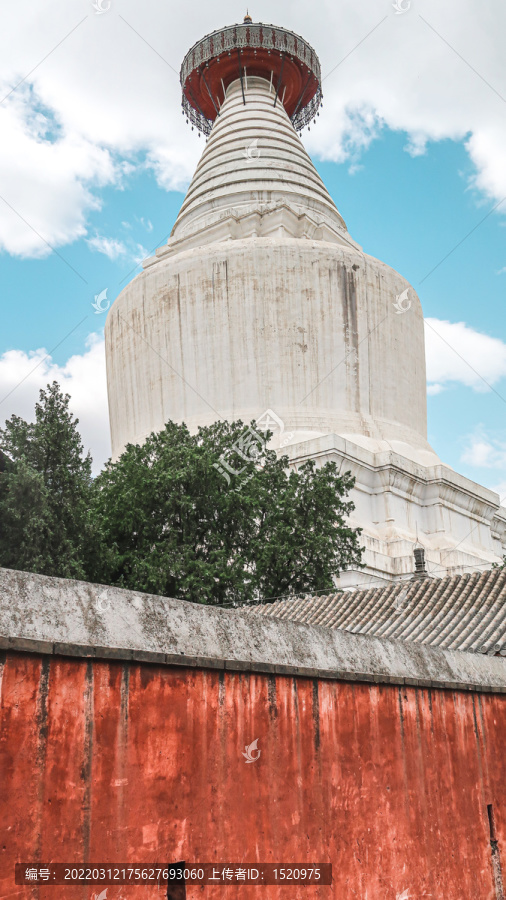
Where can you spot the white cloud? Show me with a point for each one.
(455, 352)
(82, 376)
(485, 452)
(411, 80)
(114, 248)
(173, 166)
(141, 253)
(44, 185)
(108, 246)
(103, 100)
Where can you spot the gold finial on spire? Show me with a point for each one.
(247, 17)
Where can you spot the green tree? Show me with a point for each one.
(171, 523)
(45, 490)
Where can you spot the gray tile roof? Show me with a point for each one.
(461, 612)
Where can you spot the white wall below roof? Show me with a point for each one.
(398, 502)
(307, 328)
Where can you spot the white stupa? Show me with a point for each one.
(261, 306)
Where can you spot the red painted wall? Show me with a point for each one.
(115, 762)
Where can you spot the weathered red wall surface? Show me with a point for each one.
(115, 762)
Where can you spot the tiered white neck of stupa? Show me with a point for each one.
(255, 177)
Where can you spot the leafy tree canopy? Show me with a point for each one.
(173, 524)
(45, 491)
(212, 517)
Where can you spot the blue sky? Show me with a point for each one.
(413, 173)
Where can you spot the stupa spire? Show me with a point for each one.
(251, 88)
(254, 162)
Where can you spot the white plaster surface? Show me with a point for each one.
(400, 502)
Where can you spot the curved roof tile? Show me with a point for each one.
(460, 612)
